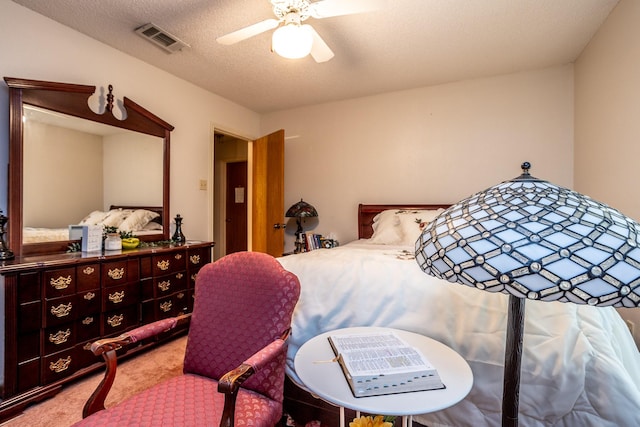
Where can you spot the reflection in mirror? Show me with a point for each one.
(67, 161)
(74, 166)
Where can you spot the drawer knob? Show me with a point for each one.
(61, 310)
(179, 276)
(88, 271)
(60, 365)
(116, 297)
(115, 320)
(60, 282)
(195, 259)
(178, 256)
(116, 273)
(166, 306)
(164, 285)
(89, 296)
(163, 264)
(60, 337)
(87, 320)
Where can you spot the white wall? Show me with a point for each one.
(35, 47)
(607, 123)
(428, 145)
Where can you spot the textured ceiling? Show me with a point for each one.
(410, 43)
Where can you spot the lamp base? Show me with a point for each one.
(512, 362)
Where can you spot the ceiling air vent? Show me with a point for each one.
(160, 37)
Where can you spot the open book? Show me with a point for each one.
(382, 363)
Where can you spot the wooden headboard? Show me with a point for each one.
(366, 213)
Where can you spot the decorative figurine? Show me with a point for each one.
(5, 252)
(178, 237)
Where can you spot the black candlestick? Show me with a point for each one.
(178, 237)
(5, 252)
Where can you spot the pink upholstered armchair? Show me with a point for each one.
(235, 357)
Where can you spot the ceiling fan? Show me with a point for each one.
(294, 40)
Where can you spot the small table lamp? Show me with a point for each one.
(531, 239)
(300, 210)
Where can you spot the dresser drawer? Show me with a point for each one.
(116, 273)
(87, 277)
(84, 356)
(60, 310)
(59, 282)
(59, 338)
(58, 365)
(168, 263)
(29, 316)
(88, 327)
(29, 287)
(88, 302)
(120, 320)
(167, 285)
(120, 296)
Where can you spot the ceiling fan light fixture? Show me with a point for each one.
(292, 41)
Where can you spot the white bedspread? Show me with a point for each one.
(580, 366)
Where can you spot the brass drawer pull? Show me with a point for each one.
(115, 320)
(116, 273)
(163, 264)
(89, 296)
(178, 256)
(87, 320)
(194, 276)
(60, 365)
(180, 295)
(88, 271)
(60, 337)
(116, 297)
(166, 306)
(62, 310)
(87, 346)
(195, 259)
(179, 276)
(60, 282)
(164, 285)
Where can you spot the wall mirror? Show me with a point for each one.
(67, 161)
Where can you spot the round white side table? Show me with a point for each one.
(327, 381)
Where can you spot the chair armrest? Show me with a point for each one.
(107, 348)
(232, 380)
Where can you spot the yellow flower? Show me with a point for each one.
(368, 421)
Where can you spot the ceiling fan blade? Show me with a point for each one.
(329, 8)
(320, 51)
(246, 32)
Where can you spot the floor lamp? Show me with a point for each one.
(534, 240)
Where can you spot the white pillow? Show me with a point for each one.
(115, 217)
(137, 220)
(386, 228)
(413, 221)
(93, 218)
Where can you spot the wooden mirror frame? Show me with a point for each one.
(71, 99)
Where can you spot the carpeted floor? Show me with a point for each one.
(134, 375)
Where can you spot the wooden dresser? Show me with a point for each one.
(55, 306)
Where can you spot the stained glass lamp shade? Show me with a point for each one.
(534, 240)
(300, 210)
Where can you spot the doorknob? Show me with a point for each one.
(278, 226)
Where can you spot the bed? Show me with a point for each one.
(580, 364)
(139, 220)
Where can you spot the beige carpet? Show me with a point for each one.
(134, 375)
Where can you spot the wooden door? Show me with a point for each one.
(236, 207)
(267, 232)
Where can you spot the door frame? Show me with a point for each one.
(215, 219)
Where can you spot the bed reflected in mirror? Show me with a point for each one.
(73, 167)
